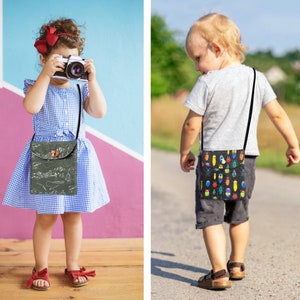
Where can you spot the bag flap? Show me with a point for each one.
(53, 150)
(223, 159)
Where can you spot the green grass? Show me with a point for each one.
(168, 143)
(164, 143)
(168, 114)
(276, 161)
(267, 159)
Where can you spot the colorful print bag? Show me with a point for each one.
(222, 173)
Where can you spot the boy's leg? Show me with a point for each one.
(41, 243)
(239, 236)
(73, 236)
(215, 242)
(238, 218)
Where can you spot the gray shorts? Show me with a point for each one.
(214, 212)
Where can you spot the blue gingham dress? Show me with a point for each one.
(57, 121)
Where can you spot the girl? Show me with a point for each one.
(217, 101)
(54, 104)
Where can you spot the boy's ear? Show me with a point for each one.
(217, 48)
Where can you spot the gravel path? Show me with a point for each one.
(178, 253)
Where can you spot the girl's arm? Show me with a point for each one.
(35, 97)
(190, 131)
(283, 124)
(95, 104)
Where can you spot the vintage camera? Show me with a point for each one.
(74, 69)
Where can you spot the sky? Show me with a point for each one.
(264, 24)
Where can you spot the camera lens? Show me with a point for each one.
(75, 70)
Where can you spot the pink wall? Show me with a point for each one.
(122, 217)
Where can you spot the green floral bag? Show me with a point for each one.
(53, 168)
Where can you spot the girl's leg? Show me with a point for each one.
(41, 243)
(73, 237)
(239, 236)
(215, 242)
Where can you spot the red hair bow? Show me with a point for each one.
(51, 39)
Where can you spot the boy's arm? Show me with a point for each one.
(190, 131)
(283, 124)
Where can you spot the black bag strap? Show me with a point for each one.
(250, 111)
(79, 114)
(249, 117)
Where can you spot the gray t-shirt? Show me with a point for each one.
(223, 97)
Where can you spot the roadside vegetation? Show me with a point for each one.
(173, 75)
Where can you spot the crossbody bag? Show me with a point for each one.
(54, 165)
(222, 173)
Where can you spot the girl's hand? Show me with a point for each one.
(52, 64)
(95, 103)
(187, 162)
(293, 156)
(35, 97)
(90, 68)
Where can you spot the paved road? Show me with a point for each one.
(178, 254)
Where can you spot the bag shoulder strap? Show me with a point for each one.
(79, 113)
(249, 117)
(250, 110)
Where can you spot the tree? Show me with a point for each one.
(172, 70)
(167, 59)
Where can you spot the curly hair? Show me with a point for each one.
(71, 39)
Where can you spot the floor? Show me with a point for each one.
(118, 264)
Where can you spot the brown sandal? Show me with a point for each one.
(41, 275)
(215, 281)
(236, 275)
(73, 276)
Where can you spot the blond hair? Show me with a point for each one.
(220, 29)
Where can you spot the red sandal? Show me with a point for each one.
(73, 276)
(41, 275)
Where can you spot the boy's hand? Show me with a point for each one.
(187, 162)
(293, 156)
